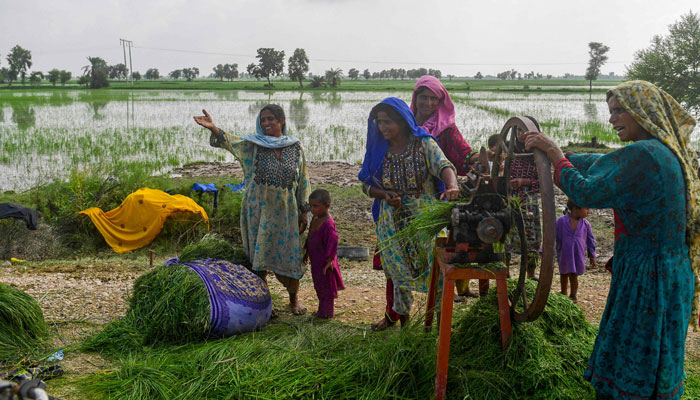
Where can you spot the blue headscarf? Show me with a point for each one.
(371, 172)
(271, 142)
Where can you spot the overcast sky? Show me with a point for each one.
(459, 37)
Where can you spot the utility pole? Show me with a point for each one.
(124, 44)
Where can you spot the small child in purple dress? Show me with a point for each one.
(574, 240)
(321, 249)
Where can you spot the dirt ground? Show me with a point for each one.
(79, 296)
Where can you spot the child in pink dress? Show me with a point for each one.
(574, 241)
(321, 248)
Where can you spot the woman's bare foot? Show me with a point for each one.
(297, 309)
(574, 299)
(382, 324)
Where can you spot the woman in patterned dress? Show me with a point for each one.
(398, 170)
(652, 186)
(274, 207)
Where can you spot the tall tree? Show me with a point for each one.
(298, 66)
(190, 73)
(334, 76)
(53, 76)
(20, 61)
(64, 76)
(353, 73)
(366, 74)
(219, 71)
(672, 62)
(152, 73)
(117, 71)
(253, 70)
(36, 77)
(96, 71)
(478, 75)
(230, 71)
(596, 51)
(175, 74)
(270, 63)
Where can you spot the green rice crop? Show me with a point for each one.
(23, 330)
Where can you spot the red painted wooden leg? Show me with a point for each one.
(503, 310)
(432, 293)
(443, 356)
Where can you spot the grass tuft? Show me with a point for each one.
(169, 305)
(544, 360)
(23, 330)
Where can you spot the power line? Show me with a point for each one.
(375, 61)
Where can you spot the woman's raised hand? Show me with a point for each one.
(206, 121)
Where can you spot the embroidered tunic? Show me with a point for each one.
(409, 174)
(276, 191)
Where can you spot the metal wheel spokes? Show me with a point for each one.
(521, 310)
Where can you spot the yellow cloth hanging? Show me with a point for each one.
(140, 218)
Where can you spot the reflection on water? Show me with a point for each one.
(23, 116)
(590, 110)
(51, 132)
(95, 107)
(299, 112)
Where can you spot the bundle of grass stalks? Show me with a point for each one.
(298, 360)
(213, 246)
(23, 329)
(545, 359)
(431, 218)
(168, 305)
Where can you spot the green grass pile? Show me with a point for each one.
(545, 359)
(23, 329)
(168, 305)
(298, 360)
(329, 360)
(213, 246)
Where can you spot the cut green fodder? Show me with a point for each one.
(212, 246)
(296, 360)
(544, 360)
(308, 359)
(23, 330)
(169, 305)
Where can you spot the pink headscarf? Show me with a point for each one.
(444, 116)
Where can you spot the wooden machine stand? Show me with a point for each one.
(452, 272)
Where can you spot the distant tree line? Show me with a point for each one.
(672, 62)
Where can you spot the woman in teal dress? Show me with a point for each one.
(274, 207)
(403, 169)
(652, 187)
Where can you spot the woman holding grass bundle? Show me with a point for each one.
(434, 111)
(652, 186)
(400, 163)
(274, 207)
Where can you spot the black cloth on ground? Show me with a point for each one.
(30, 216)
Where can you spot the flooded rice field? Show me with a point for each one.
(44, 135)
